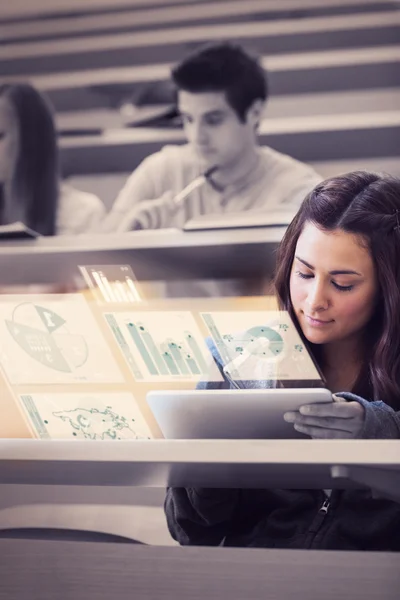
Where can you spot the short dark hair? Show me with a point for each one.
(35, 178)
(224, 67)
(367, 205)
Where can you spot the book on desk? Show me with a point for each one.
(17, 231)
(240, 220)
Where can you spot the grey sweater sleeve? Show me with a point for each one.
(381, 421)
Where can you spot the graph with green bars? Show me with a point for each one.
(162, 346)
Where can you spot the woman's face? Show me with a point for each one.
(9, 140)
(333, 285)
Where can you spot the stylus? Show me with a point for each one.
(230, 379)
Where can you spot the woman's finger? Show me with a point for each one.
(324, 422)
(322, 433)
(340, 410)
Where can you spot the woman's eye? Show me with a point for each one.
(343, 288)
(303, 275)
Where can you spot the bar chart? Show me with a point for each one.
(161, 346)
(112, 283)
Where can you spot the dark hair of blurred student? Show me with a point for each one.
(28, 159)
(31, 190)
(224, 68)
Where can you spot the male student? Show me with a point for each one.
(222, 92)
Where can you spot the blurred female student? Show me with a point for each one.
(30, 187)
(338, 275)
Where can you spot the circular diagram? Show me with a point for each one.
(260, 341)
(44, 336)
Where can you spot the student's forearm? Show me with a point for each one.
(381, 421)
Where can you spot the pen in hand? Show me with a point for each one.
(193, 185)
(156, 214)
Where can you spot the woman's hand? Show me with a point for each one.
(336, 420)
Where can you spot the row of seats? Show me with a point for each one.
(333, 69)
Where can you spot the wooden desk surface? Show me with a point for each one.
(45, 570)
(191, 463)
(168, 254)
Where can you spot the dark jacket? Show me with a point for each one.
(347, 520)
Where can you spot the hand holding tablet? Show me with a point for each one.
(339, 419)
(233, 414)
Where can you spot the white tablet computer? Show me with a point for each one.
(231, 414)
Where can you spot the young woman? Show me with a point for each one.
(30, 190)
(338, 275)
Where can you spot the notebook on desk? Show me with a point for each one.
(239, 220)
(17, 230)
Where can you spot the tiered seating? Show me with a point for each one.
(334, 71)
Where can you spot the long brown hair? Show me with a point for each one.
(367, 205)
(35, 178)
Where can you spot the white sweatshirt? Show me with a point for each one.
(276, 183)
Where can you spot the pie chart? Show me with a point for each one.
(260, 341)
(44, 336)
